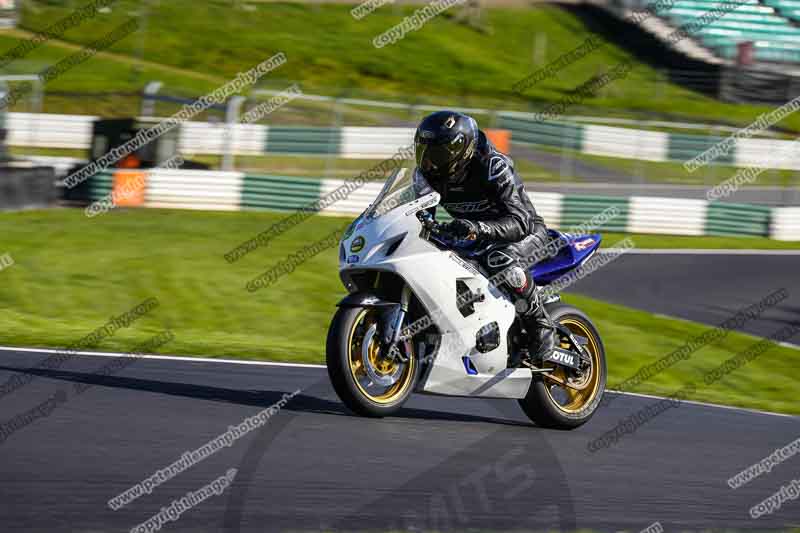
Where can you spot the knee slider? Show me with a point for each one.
(517, 279)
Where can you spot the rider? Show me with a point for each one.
(480, 189)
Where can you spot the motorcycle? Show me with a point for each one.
(421, 315)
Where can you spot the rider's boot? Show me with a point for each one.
(541, 331)
(536, 320)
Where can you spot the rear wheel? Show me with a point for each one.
(365, 379)
(562, 399)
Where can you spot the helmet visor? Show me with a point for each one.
(439, 159)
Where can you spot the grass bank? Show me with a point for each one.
(446, 61)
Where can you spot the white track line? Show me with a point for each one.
(165, 357)
(705, 404)
(691, 251)
(309, 365)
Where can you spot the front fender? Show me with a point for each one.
(364, 299)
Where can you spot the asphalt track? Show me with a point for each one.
(443, 463)
(706, 288)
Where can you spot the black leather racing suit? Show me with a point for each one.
(491, 193)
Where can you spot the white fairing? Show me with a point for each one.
(431, 274)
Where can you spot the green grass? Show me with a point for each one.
(121, 78)
(329, 52)
(93, 268)
(73, 273)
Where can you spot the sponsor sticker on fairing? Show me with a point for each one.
(584, 244)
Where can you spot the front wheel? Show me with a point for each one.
(560, 399)
(367, 382)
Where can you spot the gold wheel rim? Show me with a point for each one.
(379, 364)
(578, 399)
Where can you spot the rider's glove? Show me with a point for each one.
(461, 229)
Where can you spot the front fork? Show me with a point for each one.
(392, 325)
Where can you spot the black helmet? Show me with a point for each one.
(444, 144)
